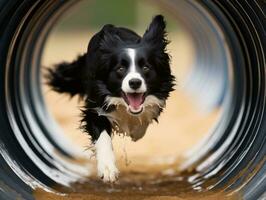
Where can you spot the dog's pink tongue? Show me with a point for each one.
(135, 100)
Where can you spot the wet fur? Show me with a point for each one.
(87, 76)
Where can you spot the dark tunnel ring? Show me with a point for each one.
(25, 162)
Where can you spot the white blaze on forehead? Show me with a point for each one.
(133, 73)
(132, 55)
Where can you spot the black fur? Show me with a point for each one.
(94, 75)
(68, 77)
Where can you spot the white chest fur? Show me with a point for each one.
(130, 125)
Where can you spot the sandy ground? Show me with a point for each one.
(180, 127)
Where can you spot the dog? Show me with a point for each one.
(124, 80)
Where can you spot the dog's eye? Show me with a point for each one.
(146, 69)
(121, 69)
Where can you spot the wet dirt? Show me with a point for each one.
(136, 185)
(139, 181)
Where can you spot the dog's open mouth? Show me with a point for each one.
(134, 101)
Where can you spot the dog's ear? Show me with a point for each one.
(100, 50)
(105, 39)
(156, 33)
(110, 38)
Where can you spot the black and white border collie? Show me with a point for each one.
(124, 80)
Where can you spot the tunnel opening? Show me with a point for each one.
(157, 158)
(220, 77)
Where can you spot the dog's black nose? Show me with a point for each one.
(135, 83)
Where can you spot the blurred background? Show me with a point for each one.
(184, 122)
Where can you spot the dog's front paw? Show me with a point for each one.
(108, 172)
(106, 159)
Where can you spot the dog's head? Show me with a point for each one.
(134, 69)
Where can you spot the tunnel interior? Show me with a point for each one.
(226, 154)
(159, 154)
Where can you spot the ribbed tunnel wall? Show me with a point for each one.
(232, 157)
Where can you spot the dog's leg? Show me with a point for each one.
(99, 129)
(106, 158)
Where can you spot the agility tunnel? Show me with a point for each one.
(229, 68)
